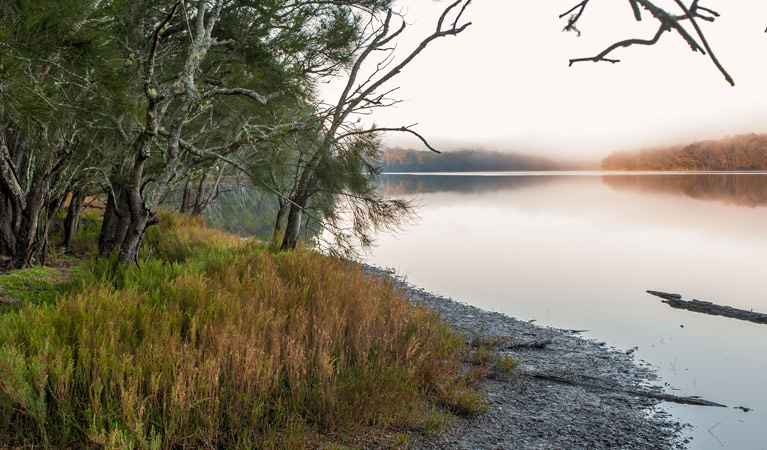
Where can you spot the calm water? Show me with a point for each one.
(578, 251)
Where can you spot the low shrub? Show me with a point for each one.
(215, 343)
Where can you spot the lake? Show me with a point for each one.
(577, 250)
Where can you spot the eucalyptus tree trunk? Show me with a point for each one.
(125, 222)
(26, 233)
(7, 238)
(116, 222)
(24, 184)
(186, 197)
(293, 228)
(295, 215)
(140, 220)
(72, 221)
(204, 196)
(280, 221)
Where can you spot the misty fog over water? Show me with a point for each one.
(578, 251)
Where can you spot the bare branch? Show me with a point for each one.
(153, 51)
(628, 42)
(705, 43)
(404, 129)
(667, 22)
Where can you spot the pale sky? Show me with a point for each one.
(505, 84)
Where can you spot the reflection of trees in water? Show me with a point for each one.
(734, 189)
(398, 185)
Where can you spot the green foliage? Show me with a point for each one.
(435, 422)
(33, 285)
(462, 399)
(218, 343)
(505, 364)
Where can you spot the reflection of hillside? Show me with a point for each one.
(398, 185)
(741, 190)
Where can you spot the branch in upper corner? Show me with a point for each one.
(667, 22)
(572, 21)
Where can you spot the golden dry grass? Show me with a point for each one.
(215, 343)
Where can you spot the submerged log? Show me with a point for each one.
(693, 400)
(529, 344)
(675, 301)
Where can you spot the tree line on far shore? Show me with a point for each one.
(407, 160)
(741, 152)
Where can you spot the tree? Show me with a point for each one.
(340, 164)
(197, 60)
(48, 63)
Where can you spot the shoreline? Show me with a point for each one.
(569, 392)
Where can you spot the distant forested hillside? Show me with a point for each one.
(406, 160)
(743, 152)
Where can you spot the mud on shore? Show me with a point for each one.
(569, 393)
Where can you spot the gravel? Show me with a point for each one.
(587, 398)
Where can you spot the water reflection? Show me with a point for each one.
(580, 251)
(404, 184)
(741, 189)
(732, 189)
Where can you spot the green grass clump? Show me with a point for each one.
(218, 344)
(505, 364)
(36, 284)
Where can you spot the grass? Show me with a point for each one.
(33, 285)
(215, 343)
(488, 355)
(505, 364)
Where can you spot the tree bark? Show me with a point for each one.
(280, 220)
(293, 227)
(212, 194)
(72, 221)
(7, 236)
(186, 197)
(131, 243)
(117, 220)
(198, 201)
(26, 234)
